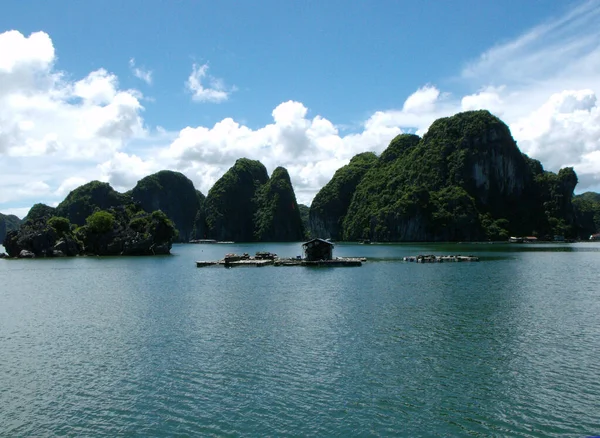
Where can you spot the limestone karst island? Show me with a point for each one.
(464, 180)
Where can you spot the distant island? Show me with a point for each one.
(464, 180)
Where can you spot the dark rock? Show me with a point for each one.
(329, 208)
(174, 194)
(231, 203)
(8, 222)
(278, 216)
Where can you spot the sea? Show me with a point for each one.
(156, 347)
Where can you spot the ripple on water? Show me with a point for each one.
(155, 347)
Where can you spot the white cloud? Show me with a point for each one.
(214, 92)
(140, 73)
(57, 133)
(488, 98)
(20, 212)
(311, 148)
(123, 171)
(422, 101)
(70, 184)
(52, 127)
(544, 84)
(565, 131)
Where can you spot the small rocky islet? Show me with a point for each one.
(464, 180)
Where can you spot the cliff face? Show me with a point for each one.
(8, 223)
(175, 195)
(199, 231)
(84, 200)
(330, 205)
(278, 216)
(464, 180)
(587, 212)
(231, 203)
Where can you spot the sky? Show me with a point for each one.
(115, 91)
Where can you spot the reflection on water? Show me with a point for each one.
(156, 347)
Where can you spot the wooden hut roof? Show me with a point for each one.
(319, 240)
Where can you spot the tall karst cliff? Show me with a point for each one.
(8, 222)
(231, 204)
(174, 194)
(464, 180)
(278, 216)
(587, 211)
(329, 208)
(245, 205)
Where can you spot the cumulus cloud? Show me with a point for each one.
(51, 126)
(311, 148)
(544, 84)
(69, 184)
(140, 73)
(215, 91)
(488, 98)
(57, 133)
(564, 131)
(422, 101)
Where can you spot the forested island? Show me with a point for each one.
(464, 180)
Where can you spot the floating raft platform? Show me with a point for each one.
(440, 259)
(337, 262)
(258, 262)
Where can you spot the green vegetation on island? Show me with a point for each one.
(40, 211)
(175, 195)
(277, 218)
(245, 205)
(86, 199)
(93, 219)
(231, 204)
(587, 212)
(8, 222)
(329, 208)
(304, 216)
(465, 180)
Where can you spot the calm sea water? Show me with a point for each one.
(154, 346)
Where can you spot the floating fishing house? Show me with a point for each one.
(317, 250)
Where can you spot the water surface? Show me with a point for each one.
(154, 346)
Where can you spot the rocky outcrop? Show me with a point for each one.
(36, 238)
(174, 194)
(304, 215)
(127, 231)
(231, 204)
(117, 231)
(464, 180)
(40, 211)
(8, 223)
(278, 216)
(330, 205)
(86, 199)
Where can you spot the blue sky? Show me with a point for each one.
(115, 90)
(343, 59)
